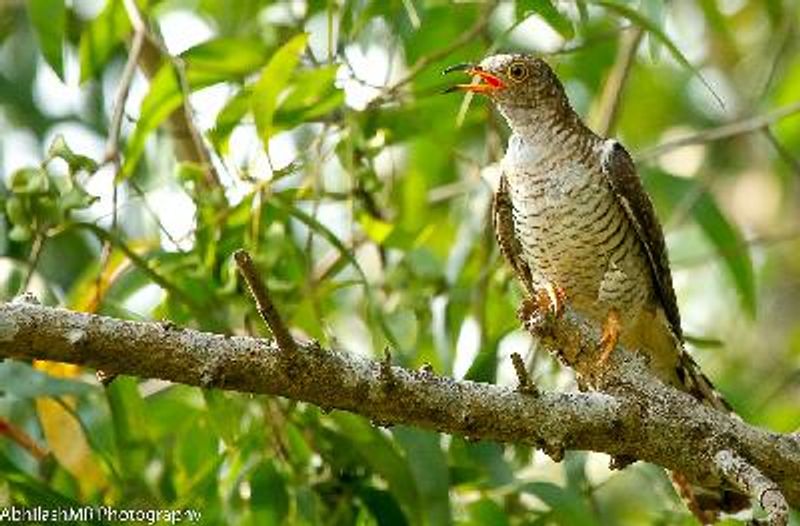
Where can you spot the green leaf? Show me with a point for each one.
(163, 97)
(76, 162)
(486, 512)
(229, 118)
(312, 94)
(20, 380)
(376, 229)
(269, 498)
(546, 10)
(429, 468)
(383, 457)
(27, 490)
(273, 80)
(49, 19)
(730, 247)
(567, 506)
(130, 425)
(647, 24)
(723, 234)
(383, 506)
(30, 181)
(223, 60)
(104, 35)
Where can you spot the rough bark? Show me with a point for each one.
(635, 417)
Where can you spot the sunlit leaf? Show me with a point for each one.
(271, 83)
(49, 19)
(647, 24)
(376, 229)
(161, 100)
(223, 59)
(104, 35)
(67, 441)
(229, 117)
(546, 10)
(567, 506)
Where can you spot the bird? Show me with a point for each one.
(575, 224)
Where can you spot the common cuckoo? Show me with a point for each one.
(576, 225)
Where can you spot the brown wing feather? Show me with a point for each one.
(503, 222)
(620, 172)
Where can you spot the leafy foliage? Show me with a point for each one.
(363, 195)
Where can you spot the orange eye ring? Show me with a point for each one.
(517, 72)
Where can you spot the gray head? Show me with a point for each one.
(523, 87)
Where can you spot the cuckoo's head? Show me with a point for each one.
(522, 86)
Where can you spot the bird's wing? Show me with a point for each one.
(503, 221)
(620, 172)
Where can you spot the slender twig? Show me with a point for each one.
(266, 309)
(525, 384)
(791, 161)
(33, 259)
(22, 439)
(750, 480)
(424, 61)
(120, 99)
(732, 129)
(605, 115)
(703, 259)
(188, 140)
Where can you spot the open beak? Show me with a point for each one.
(486, 82)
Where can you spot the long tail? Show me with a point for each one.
(705, 503)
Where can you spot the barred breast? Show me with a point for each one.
(573, 231)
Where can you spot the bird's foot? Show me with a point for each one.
(545, 305)
(610, 338)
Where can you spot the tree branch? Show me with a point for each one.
(740, 127)
(189, 145)
(636, 416)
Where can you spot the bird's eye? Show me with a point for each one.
(517, 72)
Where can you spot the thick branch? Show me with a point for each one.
(647, 421)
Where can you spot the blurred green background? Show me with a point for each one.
(363, 193)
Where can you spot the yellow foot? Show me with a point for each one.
(608, 342)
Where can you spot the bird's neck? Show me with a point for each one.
(545, 128)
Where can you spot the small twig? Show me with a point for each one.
(605, 114)
(732, 129)
(426, 60)
(22, 439)
(783, 152)
(125, 81)
(733, 248)
(260, 294)
(33, 260)
(386, 367)
(188, 140)
(750, 480)
(525, 385)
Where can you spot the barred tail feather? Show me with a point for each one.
(705, 503)
(698, 385)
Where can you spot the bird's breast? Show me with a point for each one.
(572, 229)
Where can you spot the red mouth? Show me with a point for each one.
(487, 82)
